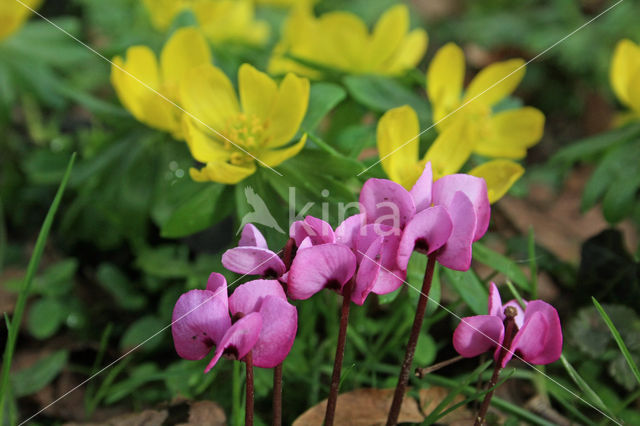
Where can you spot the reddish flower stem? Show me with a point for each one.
(337, 364)
(510, 331)
(248, 413)
(277, 395)
(403, 379)
(287, 253)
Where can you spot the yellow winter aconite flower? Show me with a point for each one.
(220, 20)
(284, 3)
(13, 15)
(465, 123)
(342, 41)
(148, 89)
(229, 135)
(625, 78)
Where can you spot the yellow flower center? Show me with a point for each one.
(248, 131)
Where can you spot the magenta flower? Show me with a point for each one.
(252, 256)
(442, 218)
(538, 339)
(320, 262)
(261, 321)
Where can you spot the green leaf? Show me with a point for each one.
(120, 288)
(30, 380)
(140, 375)
(166, 261)
(470, 289)
(322, 99)
(46, 315)
(382, 94)
(57, 279)
(196, 214)
(589, 393)
(426, 350)
(332, 165)
(141, 332)
(618, 339)
(500, 263)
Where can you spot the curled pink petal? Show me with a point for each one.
(539, 341)
(428, 231)
(519, 319)
(389, 280)
(252, 237)
(368, 272)
(456, 253)
(279, 326)
(386, 202)
(319, 231)
(217, 283)
(476, 335)
(445, 188)
(347, 232)
(239, 339)
(324, 266)
(390, 241)
(249, 296)
(306, 243)
(199, 321)
(495, 302)
(253, 261)
(421, 191)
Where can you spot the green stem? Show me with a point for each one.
(26, 286)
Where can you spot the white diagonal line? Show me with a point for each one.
(102, 370)
(493, 85)
(493, 340)
(148, 87)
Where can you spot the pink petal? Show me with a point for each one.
(318, 230)
(456, 253)
(520, 316)
(539, 341)
(324, 266)
(421, 191)
(253, 261)
(428, 230)
(495, 302)
(217, 283)
(476, 335)
(347, 232)
(306, 243)
(279, 326)
(252, 237)
(368, 272)
(239, 339)
(389, 280)
(249, 296)
(474, 188)
(390, 241)
(199, 321)
(386, 202)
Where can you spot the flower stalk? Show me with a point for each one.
(403, 379)
(337, 364)
(510, 331)
(248, 413)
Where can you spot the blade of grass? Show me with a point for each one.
(618, 338)
(533, 264)
(584, 386)
(26, 285)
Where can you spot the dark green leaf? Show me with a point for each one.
(143, 332)
(500, 263)
(30, 380)
(322, 99)
(46, 315)
(196, 214)
(168, 261)
(470, 289)
(119, 287)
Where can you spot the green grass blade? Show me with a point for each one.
(584, 386)
(26, 286)
(533, 263)
(618, 338)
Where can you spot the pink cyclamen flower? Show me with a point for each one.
(261, 321)
(252, 256)
(319, 262)
(538, 339)
(442, 218)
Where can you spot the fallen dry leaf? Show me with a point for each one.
(369, 407)
(144, 418)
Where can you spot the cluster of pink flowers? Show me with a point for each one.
(369, 252)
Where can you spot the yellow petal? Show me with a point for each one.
(408, 54)
(289, 108)
(451, 149)
(207, 94)
(634, 91)
(500, 175)
(345, 41)
(512, 132)
(13, 14)
(257, 91)
(496, 82)
(186, 49)
(204, 148)
(625, 64)
(275, 157)
(225, 20)
(398, 143)
(222, 172)
(162, 12)
(388, 33)
(445, 77)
